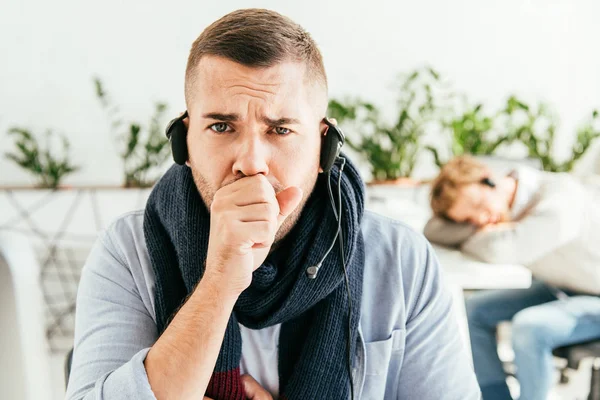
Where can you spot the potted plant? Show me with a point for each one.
(48, 168)
(536, 128)
(391, 149)
(143, 150)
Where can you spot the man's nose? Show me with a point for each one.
(252, 157)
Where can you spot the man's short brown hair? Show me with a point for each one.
(256, 38)
(456, 173)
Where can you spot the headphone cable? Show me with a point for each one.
(340, 235)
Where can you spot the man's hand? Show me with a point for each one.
(253, 390)
(244, 219)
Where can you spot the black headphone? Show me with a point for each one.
(330, 150)
(488, 182)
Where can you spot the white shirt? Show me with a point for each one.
(259, 356)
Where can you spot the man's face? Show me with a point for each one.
(479, 205)
(246, 121)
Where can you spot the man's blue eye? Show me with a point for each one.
(219, 127)
(281, 130)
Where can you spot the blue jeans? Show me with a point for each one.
(540, 323)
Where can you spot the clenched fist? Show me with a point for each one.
(244, 218)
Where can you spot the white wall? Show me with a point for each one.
(50, 50)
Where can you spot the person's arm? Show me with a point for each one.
(553, 222)
(116, 334)
(447, 233)
(436, 362)
(181, 362)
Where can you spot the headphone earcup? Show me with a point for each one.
(179, 148)
(330, 149)
(177, 134)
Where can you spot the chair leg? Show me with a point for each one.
(595, 381)
(564, 377)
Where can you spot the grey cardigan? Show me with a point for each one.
(408, 348)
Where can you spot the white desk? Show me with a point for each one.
(469, 273)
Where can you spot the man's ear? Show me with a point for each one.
(323, 127)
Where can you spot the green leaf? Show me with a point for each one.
(436, 156)
(434, 73)
(132, 142)
(99, 88)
